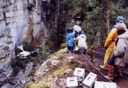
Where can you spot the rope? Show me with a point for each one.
(96, 52)
(96, 67)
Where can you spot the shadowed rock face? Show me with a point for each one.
(26, 21)
(20, 21)
(5, 62)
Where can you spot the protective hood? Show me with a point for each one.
(124, 35)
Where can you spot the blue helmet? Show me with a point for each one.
(119, 18)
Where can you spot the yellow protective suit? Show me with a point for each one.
(109, 45)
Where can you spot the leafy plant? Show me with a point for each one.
(44, 52)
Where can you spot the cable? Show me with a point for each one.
(95, 67)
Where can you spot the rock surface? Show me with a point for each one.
(5, 62)
(54, 71)
(20, 21)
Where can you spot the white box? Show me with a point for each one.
(79, 73)
(72, 82)
(101, 84)
(89, 80)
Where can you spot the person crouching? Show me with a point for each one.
(82, 45)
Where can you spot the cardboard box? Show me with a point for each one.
(89, 80)
(72, 82)
(79, 73)
(101, 84)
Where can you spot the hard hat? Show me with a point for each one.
(121, 26)
(77, 28)
(120, 18)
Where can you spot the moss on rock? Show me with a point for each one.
(61, 51)
(36, 85)
(60, 71)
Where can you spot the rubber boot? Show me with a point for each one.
(111, 72)
(120, 71)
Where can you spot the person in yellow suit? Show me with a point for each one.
(109, 43)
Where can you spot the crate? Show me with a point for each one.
(89, 80)
(72, 82)
(79, 73)
(101, 84)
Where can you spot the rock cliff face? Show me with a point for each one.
(27, 22)
(20, 21)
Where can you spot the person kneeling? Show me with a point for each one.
(82, 45)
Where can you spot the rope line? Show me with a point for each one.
(96, 68)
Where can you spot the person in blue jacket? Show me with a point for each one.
(70, 35)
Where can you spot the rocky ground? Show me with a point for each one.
(5, 66)
(56, 68)
(54, 71)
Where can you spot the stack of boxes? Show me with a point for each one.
(88, 82)
(79, 73)
(100, 84)
(72, 82)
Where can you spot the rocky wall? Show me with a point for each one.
(20, 21)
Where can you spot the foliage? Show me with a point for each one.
(19, 63)
(92, 11)
(63, 45)
(60, 15)
(61, 51)
(60, 71)
(36, 85)
(44, 52)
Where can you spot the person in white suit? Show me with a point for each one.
(82, 44)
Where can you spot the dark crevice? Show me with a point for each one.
(5, 19)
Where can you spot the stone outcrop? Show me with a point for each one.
(53, 72)
(20, 21)
(60, 65)
(5, 62)
(31, 22)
